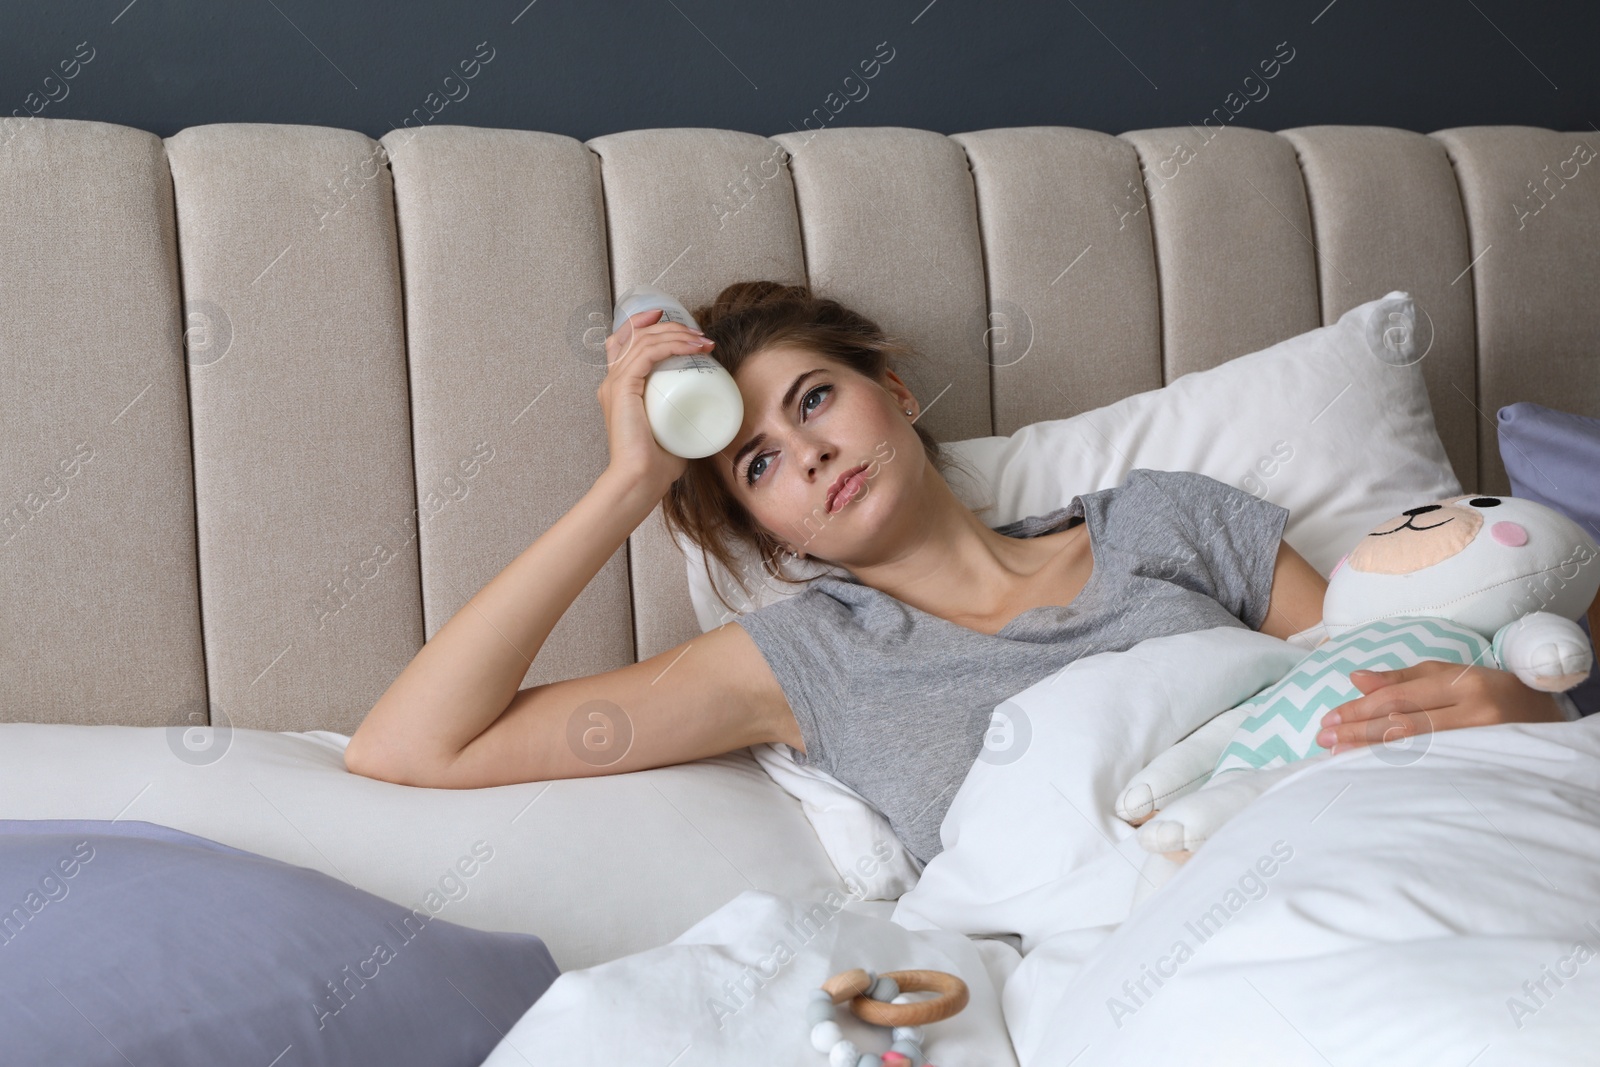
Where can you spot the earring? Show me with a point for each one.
(908, 411)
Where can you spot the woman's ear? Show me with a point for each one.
(900, 392)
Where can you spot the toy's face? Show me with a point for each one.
(1432, 533)
(1477, 560)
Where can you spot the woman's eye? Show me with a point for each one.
(750, 472)
(818, 391)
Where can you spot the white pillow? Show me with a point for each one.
(1334, 424)
(859, 841)
(1032, 845)
(599, 867)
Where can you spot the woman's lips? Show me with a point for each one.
(848, 490)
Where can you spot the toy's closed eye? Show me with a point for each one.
(1484, 502)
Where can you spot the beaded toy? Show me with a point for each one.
(881, 1001)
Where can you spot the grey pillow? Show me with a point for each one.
(126, 941)
(1553, 457)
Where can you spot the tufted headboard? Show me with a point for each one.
(276, 400)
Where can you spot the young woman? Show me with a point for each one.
(886, 678)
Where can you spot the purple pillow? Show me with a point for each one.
(1553, 457)
(127, 941)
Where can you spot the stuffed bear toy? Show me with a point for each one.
(1484, 580)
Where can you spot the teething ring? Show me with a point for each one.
(851, 986)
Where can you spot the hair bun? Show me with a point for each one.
(740, 297)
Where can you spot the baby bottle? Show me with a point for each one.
(692, 402)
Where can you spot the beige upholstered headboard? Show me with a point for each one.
(388, 387)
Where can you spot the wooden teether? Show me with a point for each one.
(851, 986)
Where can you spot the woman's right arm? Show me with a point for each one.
(454, 717)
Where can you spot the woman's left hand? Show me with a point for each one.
(1431, 695)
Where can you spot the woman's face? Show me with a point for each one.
(816, 420)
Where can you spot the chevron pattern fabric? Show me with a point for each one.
(1285, 726)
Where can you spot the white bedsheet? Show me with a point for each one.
(731, 991)
(1411, 896)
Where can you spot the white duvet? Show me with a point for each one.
(1438, 904)
(1433, 907)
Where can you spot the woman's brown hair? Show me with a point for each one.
(746, 318)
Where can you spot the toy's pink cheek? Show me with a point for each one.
(1509, 533)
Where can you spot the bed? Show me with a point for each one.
(279, 399)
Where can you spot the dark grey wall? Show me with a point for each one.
(584, 69)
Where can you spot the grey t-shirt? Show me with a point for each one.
(894, 702)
